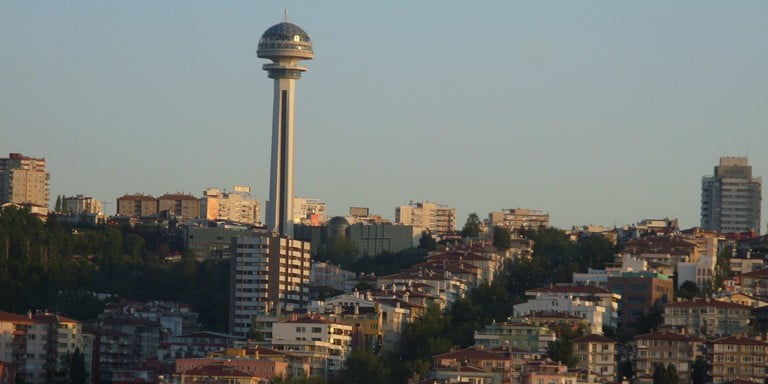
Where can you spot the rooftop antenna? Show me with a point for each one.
(285, 12)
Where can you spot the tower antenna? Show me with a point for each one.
(285, 12)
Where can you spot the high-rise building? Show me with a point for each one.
(437, 218)
(238, 206)
(730, 199)
(268, 273)
(285, 44)
(24, 181)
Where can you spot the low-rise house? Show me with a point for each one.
(755, 283)
(547, 371)
(196, 344)
(479, 365)
(325, 343)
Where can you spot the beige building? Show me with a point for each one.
(78, 204)
(238, 206)
(24, 181)
(597, 355)
(737, 357)
(708, 318)
(37, 343)
(323, 342)
(666, 348)
(308, 211)
(519, 218)
(136, 205)
(269, 273)
(179, 204)
(437, 218)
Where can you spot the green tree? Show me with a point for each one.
(662, 375)
(365, 367)
(722, 269)
(472, 227)
(595, 251)
(688, 290)
(699, 372)
(502, 238)
(58, 206)
(427, 242)
(651, 319)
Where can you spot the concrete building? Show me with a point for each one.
(308, 211)
(737, 357)
(325, 343)
(238, 206)
(329, 275)
(516, 334)
(180, 205)
(212, 242)
(731, 198)
(24, 181)
(268, 273)
(370, 237)
(597, 305)
(285, 44)
(708, 318)
(666, 348)
(136, 205)
(80, 204)
(597, 355)
(639, 292)
(517, 218)
(436, 218)
(547, 371)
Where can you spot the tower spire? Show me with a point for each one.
(285, 12)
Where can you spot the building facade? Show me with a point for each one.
(731, 198)
(269, 273)
(436, 218)
(517, 218)
(180, 205)
(238, 206)
(24, 181)
(136, 205)
(79, 204)
(308, 211)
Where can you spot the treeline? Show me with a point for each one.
(58, 268)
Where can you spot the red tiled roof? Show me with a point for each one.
(569, 288)
(177, 196)
(470, 353)
(136, 197)
(705, 303)
(594, 338)
(668, 336)
(53, 318)
(760, 273)
(7, 317)
(217, 370)
(740, 340)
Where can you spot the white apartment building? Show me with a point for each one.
(238, 205)
(517, 218)
(269, 273)
(598, 306)
(323, 342)
(436, 218)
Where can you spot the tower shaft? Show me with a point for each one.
(280, 209)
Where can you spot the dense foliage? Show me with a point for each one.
(47, 266)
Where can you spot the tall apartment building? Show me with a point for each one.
(136, 205)
(179, 204)
(24, 181)
(308, 211)
(80, 204)
(730, 200)
(269, 273)
(437, 218)
(238, 206)
(519, 218)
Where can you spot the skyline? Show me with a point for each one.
(580, 98)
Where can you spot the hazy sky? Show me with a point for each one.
(600, 112)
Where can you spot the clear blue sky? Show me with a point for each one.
(600, 112)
